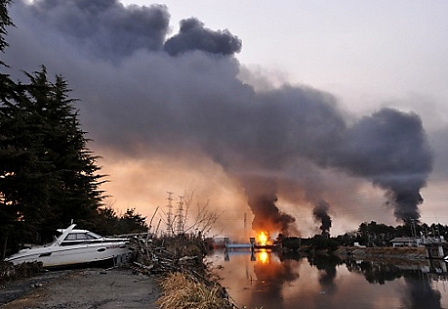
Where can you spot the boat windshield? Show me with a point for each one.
(83, 236)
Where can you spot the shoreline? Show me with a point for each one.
(398, 255)
(126, 287)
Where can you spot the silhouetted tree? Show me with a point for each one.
(7, 94)
(107, 220)
(131, 222)
(48, 176)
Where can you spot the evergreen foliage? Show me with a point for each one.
(48, 176)
(110, 223)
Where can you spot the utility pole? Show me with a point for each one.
(245, 226)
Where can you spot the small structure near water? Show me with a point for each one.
(253, 246)
(436, 247)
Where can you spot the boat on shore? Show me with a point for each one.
(75, 247)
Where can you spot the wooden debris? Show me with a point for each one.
(173, 255)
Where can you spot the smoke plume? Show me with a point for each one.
(193, 36)
(391, 150)
(262, 197)
(320, 213)
(144, 94)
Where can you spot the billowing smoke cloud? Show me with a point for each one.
(193, 36)
(105, 28)
(262, 197)
(144, 94)
(391, 150)
(320, 213)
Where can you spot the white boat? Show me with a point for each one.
(73, 247)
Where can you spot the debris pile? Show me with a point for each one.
(9, 272)
(167, 255)
(187, 281)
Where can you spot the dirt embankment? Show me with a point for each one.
(86, 288)
(408, 254)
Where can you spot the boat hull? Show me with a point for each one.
(72, 255)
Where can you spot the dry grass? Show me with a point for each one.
(181, 292)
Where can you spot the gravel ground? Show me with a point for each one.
(82, 288)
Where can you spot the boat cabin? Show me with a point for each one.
(76, 237)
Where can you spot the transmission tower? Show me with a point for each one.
(169, 216)
(180, 217)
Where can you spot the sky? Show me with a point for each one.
(294, 117)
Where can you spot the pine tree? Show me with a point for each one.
(7, 93)
(52, 176)
(48, 176)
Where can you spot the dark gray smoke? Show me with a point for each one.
(105, 27)
(320, 213)
(262, 197)
(193, 36)
(142, 94)
(390, 148)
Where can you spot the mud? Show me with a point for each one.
(81, 288)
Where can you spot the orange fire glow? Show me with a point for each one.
(263, 257)
(262, 238)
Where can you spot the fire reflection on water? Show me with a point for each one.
(262, 256)
(271, 274)
(265, 279)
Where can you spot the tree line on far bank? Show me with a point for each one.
(375, 234)
(371, 234)
(48, 176)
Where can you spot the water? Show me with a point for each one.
(265, 279)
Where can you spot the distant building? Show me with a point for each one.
(356, 244)
(406, 242)
(417, 241)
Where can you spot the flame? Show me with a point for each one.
(263, 256)
(262, 238)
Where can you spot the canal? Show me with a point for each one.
(268, 280)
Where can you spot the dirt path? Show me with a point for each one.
(86, 289)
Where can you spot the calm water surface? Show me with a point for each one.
(267, 280)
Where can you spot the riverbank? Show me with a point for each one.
(128, 288)
(167, 273)
(398, 254)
